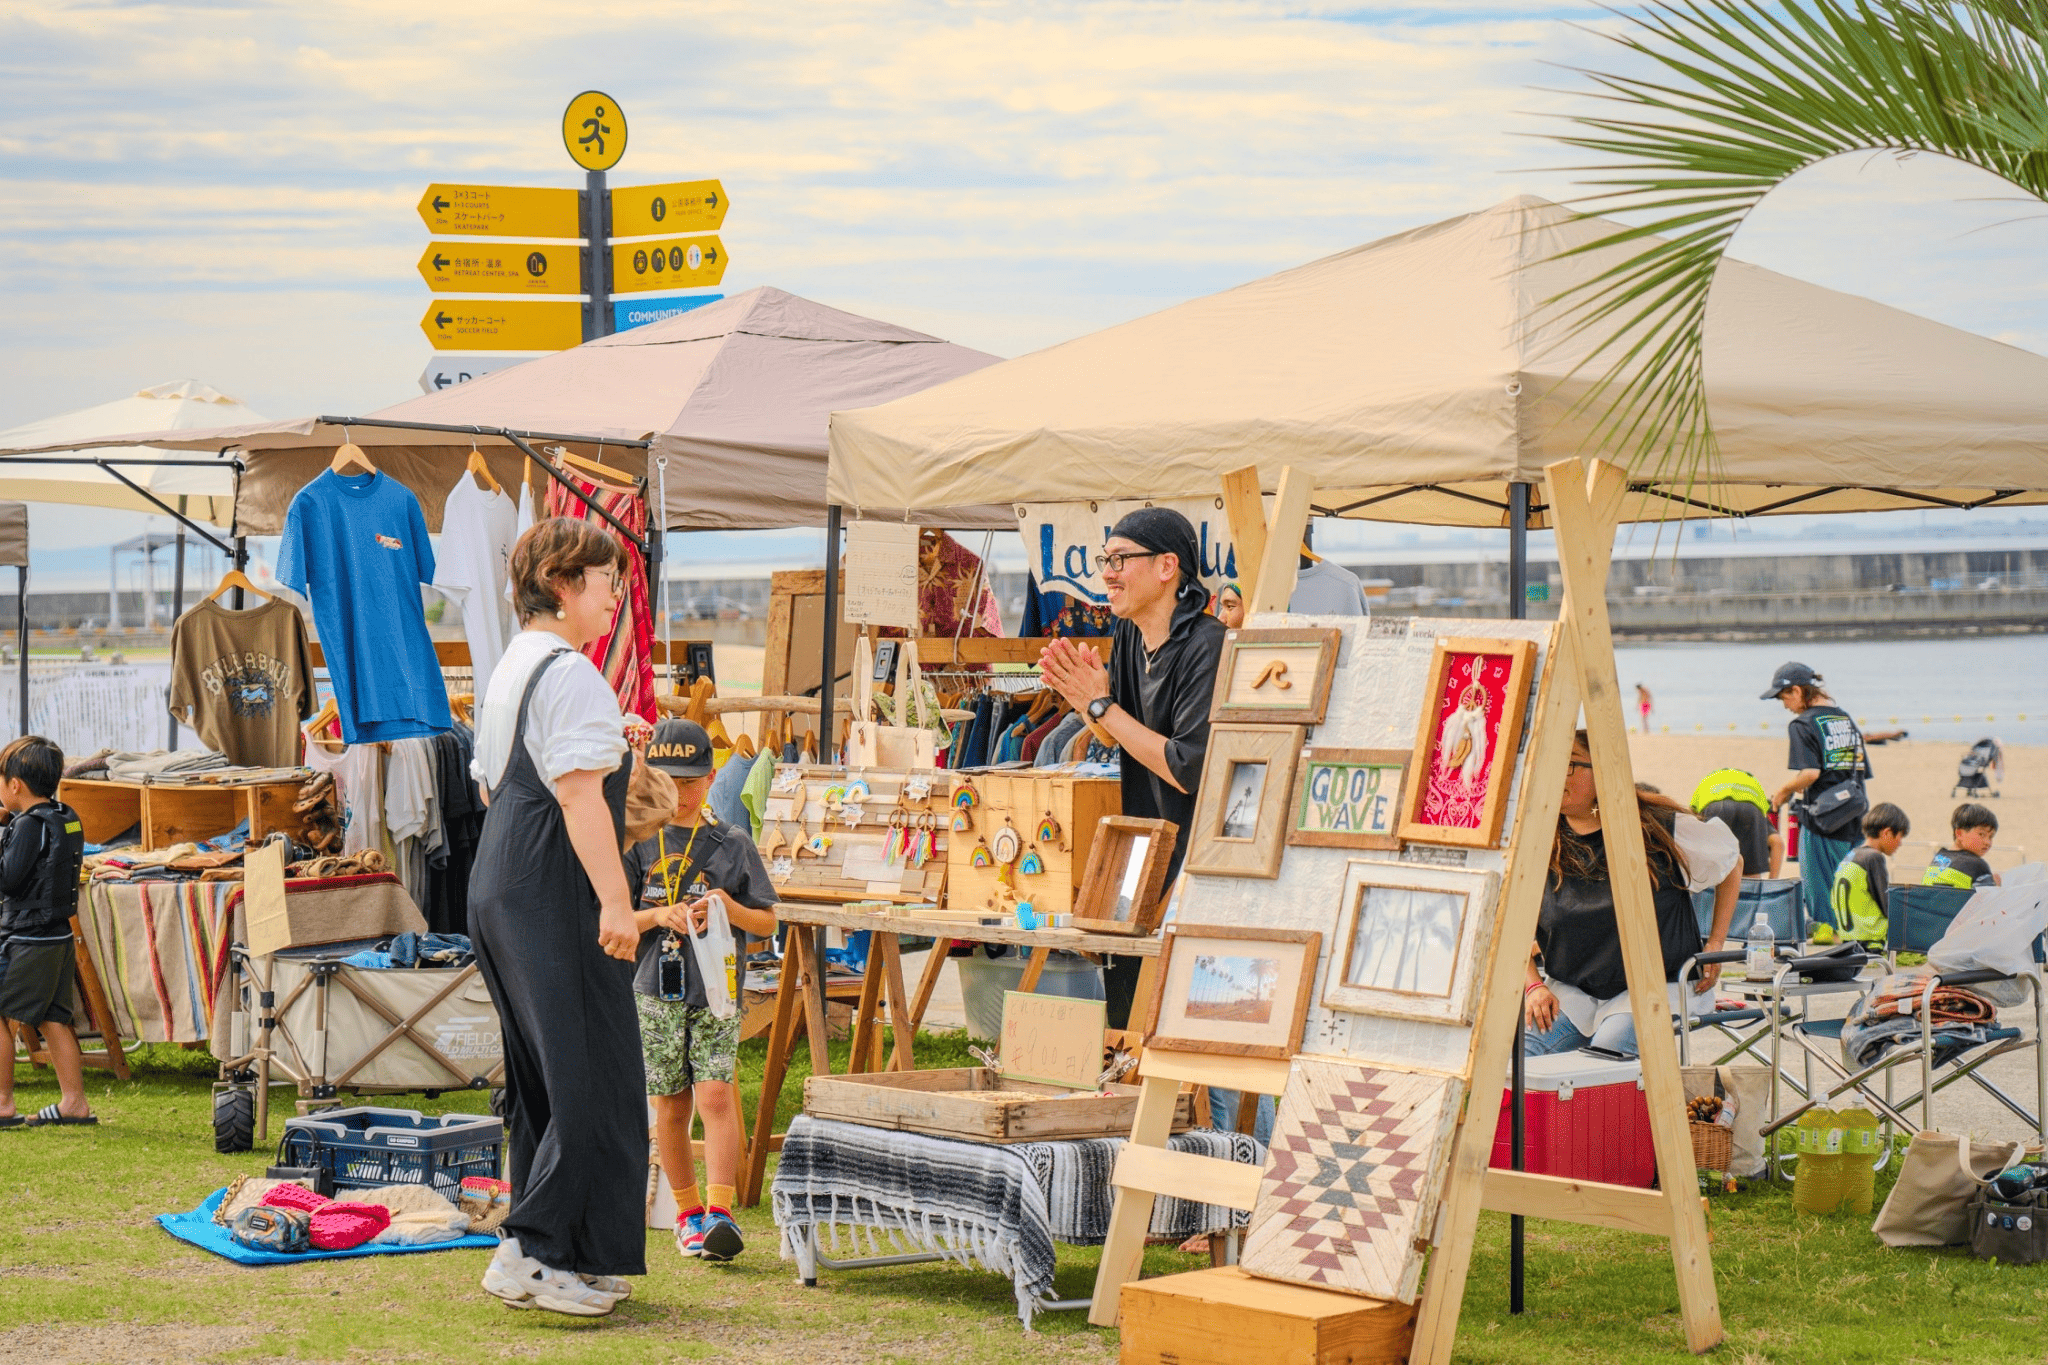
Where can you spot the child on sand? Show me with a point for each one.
(1973, 828)
(690, 1053)
(1864, 879)
(40, 853)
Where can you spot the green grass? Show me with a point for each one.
(86, 1276)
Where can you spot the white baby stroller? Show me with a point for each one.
(1983, 764)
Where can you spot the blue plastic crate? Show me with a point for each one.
(365, 1147)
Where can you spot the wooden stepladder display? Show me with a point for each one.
(1400, 1099)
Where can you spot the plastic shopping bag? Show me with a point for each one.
(1996, 929)
(717, 961)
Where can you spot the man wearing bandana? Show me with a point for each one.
(1153, 699)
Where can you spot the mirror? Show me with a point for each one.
(1134, 874)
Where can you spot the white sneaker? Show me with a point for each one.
(504, 1277)
(609, 1285)
(522, 1282)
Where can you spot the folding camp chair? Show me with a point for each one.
(1918, 917)
(1780, 900)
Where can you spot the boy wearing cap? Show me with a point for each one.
(690, 1054)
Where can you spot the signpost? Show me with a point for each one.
(667, 263)
(502, 268)
(630, 313)
(446, 371)
(594, 131)
(500, 211)
(503, 325)
(688, 206)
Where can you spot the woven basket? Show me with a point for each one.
(1713, 1146)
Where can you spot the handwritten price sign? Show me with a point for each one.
(1052, 1040)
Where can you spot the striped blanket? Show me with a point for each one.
(161, 949)
(998, 1208)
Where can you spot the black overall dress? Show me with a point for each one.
(575, 1113)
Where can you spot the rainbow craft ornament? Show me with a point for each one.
(1031, 865)
(1048, 830)
(962, 821)
(981, 857)
(966, 797)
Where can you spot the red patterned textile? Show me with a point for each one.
(626, 655)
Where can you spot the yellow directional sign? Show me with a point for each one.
(508, 325)
(691, 206)
(594, 131)
(667, 263)
(500, 210)
(502, 268)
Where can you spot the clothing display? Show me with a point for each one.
(575, 1117)
(358, 774)
(243, 680)
(356, 546)
(754, 794)
(1327, 589)
(411, 814)
(478, 529)
(461, 808)
(947, 573)
(626, 655)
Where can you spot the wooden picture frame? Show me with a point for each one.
(1248, 1009)
(1125, 877)
(1275, 677)
(1466, 741)
(1240, 824)
(1343, 798)
(1410, 938)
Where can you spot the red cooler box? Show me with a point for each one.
(1587, 1119)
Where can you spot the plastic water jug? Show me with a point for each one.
(1817, 1184)
(1861, 1147)
(1761, 964)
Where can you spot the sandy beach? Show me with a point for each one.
(1914, 775)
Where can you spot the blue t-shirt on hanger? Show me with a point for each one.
(360, 541)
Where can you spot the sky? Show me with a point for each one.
(226, 192)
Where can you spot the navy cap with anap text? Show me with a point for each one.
(1790, 675)
(680, 748)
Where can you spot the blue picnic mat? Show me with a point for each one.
(198, 1228)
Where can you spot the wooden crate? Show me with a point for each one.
(1021, 799)
(178, 814)
(1224, 1316)
(951, 1103)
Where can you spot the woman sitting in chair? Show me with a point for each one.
(1580, 997)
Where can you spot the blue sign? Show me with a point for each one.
(630, 313)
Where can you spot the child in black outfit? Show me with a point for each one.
(40, 853)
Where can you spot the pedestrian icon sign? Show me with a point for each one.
(594, 131)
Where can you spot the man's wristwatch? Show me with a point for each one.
(1099, 708)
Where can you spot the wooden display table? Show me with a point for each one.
(882, 987)
(167, 813)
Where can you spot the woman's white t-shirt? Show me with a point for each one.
(574, 724)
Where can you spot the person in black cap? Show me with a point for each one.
(1829, 762)
(1153, 697)
(690, 1052)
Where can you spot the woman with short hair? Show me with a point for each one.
(552, 920)
(1829, 761)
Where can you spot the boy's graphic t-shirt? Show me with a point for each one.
(243, 680)
(356, 545)
(686, 863)
(1953, 867)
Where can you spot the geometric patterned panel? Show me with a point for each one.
(1352, 1178)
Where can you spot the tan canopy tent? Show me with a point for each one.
(735, 394)
(1418, 378)
(207, 482)
(14, 551)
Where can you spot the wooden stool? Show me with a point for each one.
(1223, 1316)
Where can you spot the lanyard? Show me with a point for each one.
(672, 876)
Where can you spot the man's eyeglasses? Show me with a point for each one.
(1115, 563)
(1581, 763)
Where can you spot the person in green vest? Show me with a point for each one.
(1738, 800)
(1973, 828)
(1863, 880)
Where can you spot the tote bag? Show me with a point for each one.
(1942, 1174)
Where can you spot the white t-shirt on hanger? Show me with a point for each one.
(478, 528)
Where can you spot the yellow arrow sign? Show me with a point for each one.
(502, 268)
(594, 131)
(666, 263)
(510, 325)
(500, 210)
(691, 206)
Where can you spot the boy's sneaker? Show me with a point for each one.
(720, 1240)
(690, 1235)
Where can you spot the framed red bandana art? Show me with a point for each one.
(1465, 743)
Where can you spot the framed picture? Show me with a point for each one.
(1125, 879)
(1347, 798)
(1233, 989)
(1465, 743)
(1241, 812)
(1275, 676)
(1409, 939)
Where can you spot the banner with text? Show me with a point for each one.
(1062, 539)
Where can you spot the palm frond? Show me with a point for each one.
(1739, 97)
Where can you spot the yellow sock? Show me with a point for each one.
(687, 1199)
(720, 1197)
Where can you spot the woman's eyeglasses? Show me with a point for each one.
(618, 579)
(1581, 763)
(1115, 563)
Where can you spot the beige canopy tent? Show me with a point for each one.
(735, 395)
(14, 551)
(127, 477)
(1418, 378)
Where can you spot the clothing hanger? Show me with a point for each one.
(349, 453)
(235, 578)
(743, 747)
(482, 469)
(605, 473)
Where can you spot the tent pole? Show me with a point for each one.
(21, 633)
(1518, 609)
(241, 564)
(177, 599)
(828, 666)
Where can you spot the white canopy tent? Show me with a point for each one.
(121, 476)
(1419, 379)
